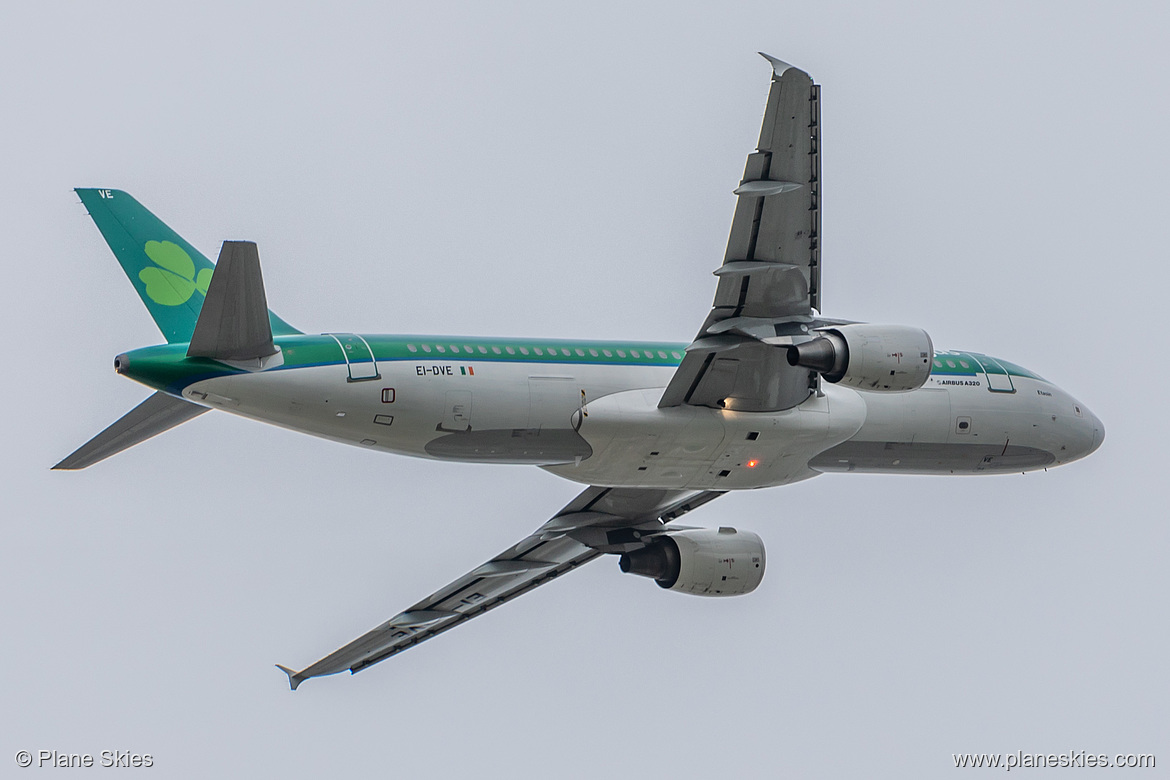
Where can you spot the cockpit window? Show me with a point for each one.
(1012, 368)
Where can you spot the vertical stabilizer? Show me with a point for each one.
(170, 275)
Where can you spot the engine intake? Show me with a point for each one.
(879, 358)
(701, 561)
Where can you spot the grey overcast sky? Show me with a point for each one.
(993, 172)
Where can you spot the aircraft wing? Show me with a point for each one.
(599, 520)
(769, 284)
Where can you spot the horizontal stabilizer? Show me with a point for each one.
(156, 414)
(233, 324)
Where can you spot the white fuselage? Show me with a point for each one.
(601, 425)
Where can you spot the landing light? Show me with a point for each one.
(751, 464)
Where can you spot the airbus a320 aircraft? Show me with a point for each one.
(768, 393)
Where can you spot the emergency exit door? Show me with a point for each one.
(359, 358)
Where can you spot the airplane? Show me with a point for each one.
(768, 393)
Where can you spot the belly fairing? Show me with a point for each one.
(636, 443)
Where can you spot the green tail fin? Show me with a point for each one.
(170, 275)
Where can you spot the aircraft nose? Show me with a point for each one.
(1098, 431)
(1081, 433)
(1089, 432)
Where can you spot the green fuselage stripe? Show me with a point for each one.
(168, 368)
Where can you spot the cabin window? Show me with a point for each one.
(426, 347)
(607, 353)
(635, 353)
(510, 350)
(537, 350)
(483, 350)
(440, 347)
(496, 350)
(593, 353)
(580, 352)
(412, 347)
(621, 353)
(676, 356)
(523, 350)
(950, 364)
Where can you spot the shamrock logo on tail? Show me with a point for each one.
(172, 281)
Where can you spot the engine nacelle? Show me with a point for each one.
(878, 358)
(701, 561)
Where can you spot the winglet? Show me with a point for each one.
(778, 66)
(294, 679)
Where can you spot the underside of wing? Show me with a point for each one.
(768, 292)
(598, 521)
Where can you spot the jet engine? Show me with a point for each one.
(701, 561)
(880, 358)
